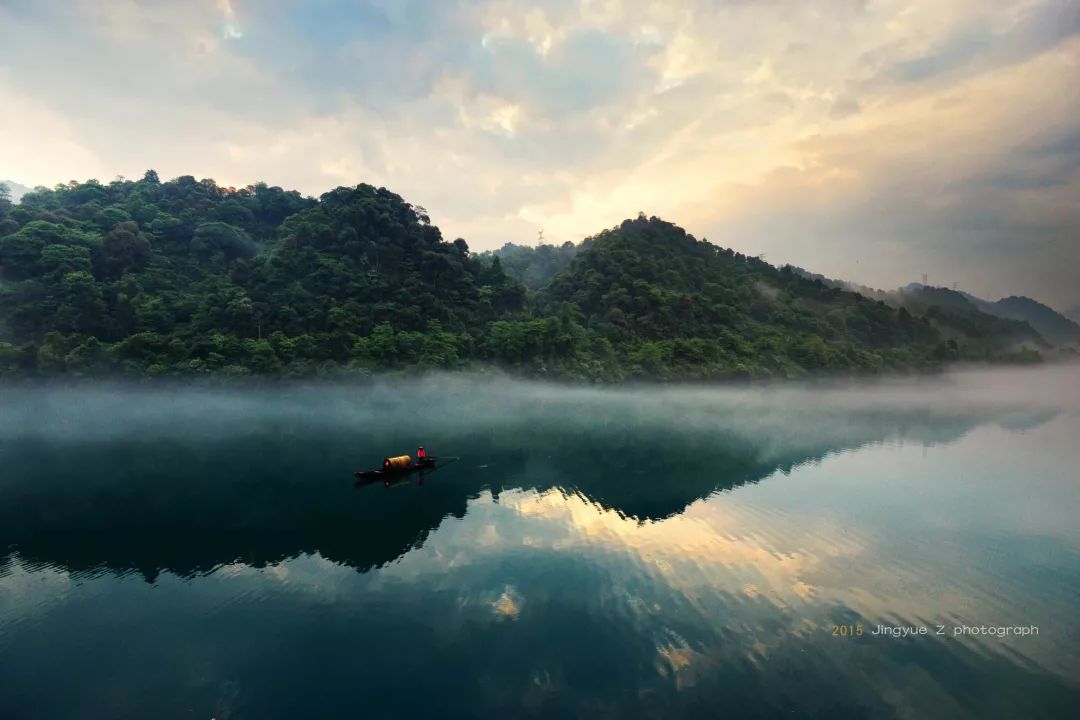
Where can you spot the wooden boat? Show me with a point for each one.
(389, 473)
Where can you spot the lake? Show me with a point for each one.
(891, 549)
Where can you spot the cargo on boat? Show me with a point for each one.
(397, 463)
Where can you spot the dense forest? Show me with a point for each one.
(186, 277)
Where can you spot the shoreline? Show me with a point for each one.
(425, 376)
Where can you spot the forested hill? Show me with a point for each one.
(984, 327)
(674, 304)
(1054, 326)
(187, 277)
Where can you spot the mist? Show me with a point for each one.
(454, 403)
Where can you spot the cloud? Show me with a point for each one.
(1027, 33)
(986, 200)
(231, 28)
(874, 141)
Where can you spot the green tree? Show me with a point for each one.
(219, 237)
(125, 249)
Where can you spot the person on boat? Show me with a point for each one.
(421, 455)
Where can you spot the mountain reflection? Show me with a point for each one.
(186, 483)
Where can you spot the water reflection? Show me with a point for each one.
(188, 494)
(592, 555)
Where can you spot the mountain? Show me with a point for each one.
(956, 316)
(674, 305)
(15, 190)
(1073, 313)
(1056, 327)
(187, 277)
(1049, 323)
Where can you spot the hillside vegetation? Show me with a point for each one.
(984, 329)
(983, 334)
(186, 277)
(1052, 325)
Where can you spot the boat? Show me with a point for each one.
(394, 468)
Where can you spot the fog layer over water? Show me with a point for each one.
(649, 551)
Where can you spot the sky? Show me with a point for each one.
(867, 140)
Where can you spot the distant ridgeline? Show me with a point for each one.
(983, 323)
(185, 278)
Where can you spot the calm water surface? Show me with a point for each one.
(594, 553)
